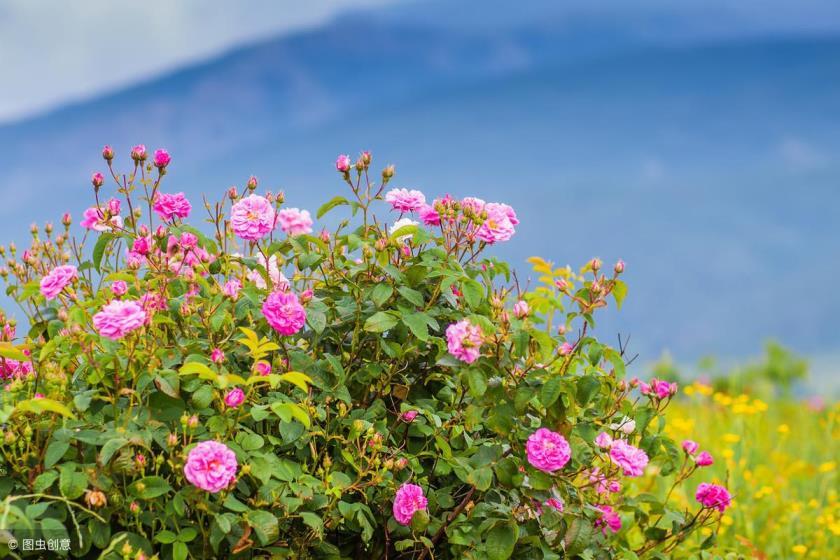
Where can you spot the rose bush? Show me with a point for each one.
(250, 388)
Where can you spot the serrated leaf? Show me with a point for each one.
(381, 322)
(501, 541)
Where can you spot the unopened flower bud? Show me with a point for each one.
(66, 219)
(342, 163)
(193, 421)
(561, 284)
(97, 179)
(401, 463)
(138, 153)
(619, 267)
(95, 499)
(232, 193)
(134, 507)
(107, 153)
(172, 440)
(388, 173)
(252, 183)
(595, 264)
(366, 158)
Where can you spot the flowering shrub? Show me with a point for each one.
(377, 391)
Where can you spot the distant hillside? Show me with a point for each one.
(709, 168)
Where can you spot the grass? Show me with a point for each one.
(778, 458)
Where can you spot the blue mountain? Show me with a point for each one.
(708, 165)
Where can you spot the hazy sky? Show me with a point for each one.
(52, 52)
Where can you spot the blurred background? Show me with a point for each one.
(697, 140)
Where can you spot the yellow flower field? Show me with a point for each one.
(779, 459)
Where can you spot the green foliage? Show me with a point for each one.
(323, 442)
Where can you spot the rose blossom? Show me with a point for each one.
(464, 340)
(704, 459)
(603, 485)
(161, 158)
(119, 318)
(94, 218)
(284, 312)
(429, 215)
(690, 446)
(138, 152)
(555, 503)
(603, 440)
(497, 226)
(263, 368)
(405, 200)
(609, 520)
(294, 221)
(57, 279)
(278, 279)
(713, 496)
(342, 163)
(234, 397)
(217, 356)
(97, 179)
(409, 498)
(521, 309)
(408, 416)
(632, 460)
(119, 287)
(662, 389)
(141, 246)
(231, 288)
(169, 206)
(252, 218)
(547, 451)
(211, 466)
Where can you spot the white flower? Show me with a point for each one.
(626, 425)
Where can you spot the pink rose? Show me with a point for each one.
(234, 397)
(405, 200)
(555, 504)
(498, 225)
(603, 440)
(547, 451)
(566, 349)
(58, 278)
(464, 340)
(119, 288)
(632, 460)
(252, 218)
(119, 318)
(294, 221)
(713, 496)
(263, 368)
(94, 218)
(704, 459)
(217, 356)
(231, 288)
(408, 416)
(97, 179)
(188, 240)
(211, 466)
(284, 312)
(409, 498)
(161, 158)
(138, 152)
(170, 206)
(521, 309)
(141, 246)
(690, 446)
(609, 520)
(342, 163)
(428, 215)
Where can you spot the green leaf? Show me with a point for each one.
(180, 551)
(99, 249)
(473, 292)
(166, 537)
(578, 536)
(481, 478)
(501, 541)
(7, 350)
(381, 322)
(418, 323)
(550, 391)
(297, 378)
(587, 386)
(413, 296)
(335, 201)
(39, 406)
(476, 382)
(619, 292)
(381, 293)
(71, 483)
(150, 487)
(111, 446)
(265, 525)
(55, 451)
